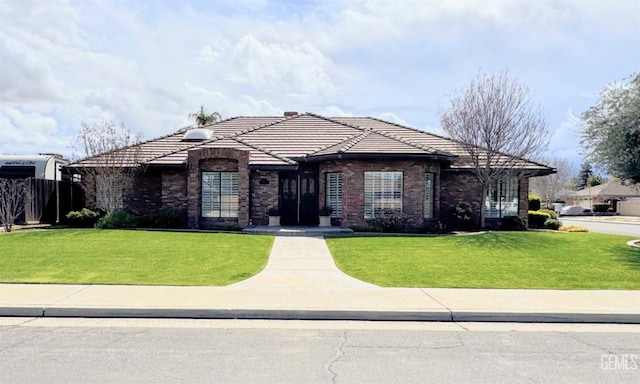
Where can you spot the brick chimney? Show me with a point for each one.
(290, 114)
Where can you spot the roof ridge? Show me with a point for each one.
(355, 140)
(270, 153)
(406, 141)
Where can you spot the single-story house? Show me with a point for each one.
(610, 192)
(231, 173)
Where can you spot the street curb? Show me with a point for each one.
(26, 311)
(296, 314)
(249, 314)
(541, 317)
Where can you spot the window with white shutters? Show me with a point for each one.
(502, 198)
(219, 194)
(334, 193)
(382, 190)
(428, 195)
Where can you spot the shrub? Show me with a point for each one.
(551, 212)
(552, 224)
(574, 228)
(84, 218)
(534, 202)
(462, 217)
(601, 207)
(388, 220)
(164, 218)
(513, 223)
(117, 219)
(537, 219)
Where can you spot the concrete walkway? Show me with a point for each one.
(301, 262)
(302, 282)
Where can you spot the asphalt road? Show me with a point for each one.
(198, 351)
(627, 229)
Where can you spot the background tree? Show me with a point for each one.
(202, 117)
(108, 161)
(611, 130)
(492, 117)
(14, 193)
(582, 181)
(552, 187)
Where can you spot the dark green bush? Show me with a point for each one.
(551, 212)
(513, 223)
(462, 218)
(601, 207)
(388, 220)
(552, 224)
(117, 219)
(534, 202)
(537, 219)
(164, 218)
(84, 218)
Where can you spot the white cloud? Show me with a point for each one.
(28, 132)
(25, 76)
(334, 111)
(273, 67)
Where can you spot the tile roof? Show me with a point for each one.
(284, 141)
(609, 189)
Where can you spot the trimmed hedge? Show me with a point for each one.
(84, 218)
(552, 224)
(117, 219)
(551, 212)
(535, 202)
(601, 207)
(513, 223)
(537, 219)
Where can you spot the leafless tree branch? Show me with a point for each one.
(498, 125)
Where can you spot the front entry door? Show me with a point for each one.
(299, 198)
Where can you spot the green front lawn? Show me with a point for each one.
(91, 256)
(549, 260)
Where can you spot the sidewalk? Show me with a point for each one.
(302, 282)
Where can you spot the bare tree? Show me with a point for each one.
(497, 124)
(14, 194)
(551, 187)
(107, 160)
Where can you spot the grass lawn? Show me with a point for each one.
(92, 256)
(549, 260)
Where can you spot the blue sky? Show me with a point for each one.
(149, 64)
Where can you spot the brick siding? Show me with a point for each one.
(264, 195)
(353, 188)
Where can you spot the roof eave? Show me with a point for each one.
(370, 156)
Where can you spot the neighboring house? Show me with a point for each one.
(232, 172)
(610, 192)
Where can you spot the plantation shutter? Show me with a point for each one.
(334, 193)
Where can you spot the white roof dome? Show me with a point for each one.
(197, 134)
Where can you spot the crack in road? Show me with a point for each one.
(339, 355)
(571, 336)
